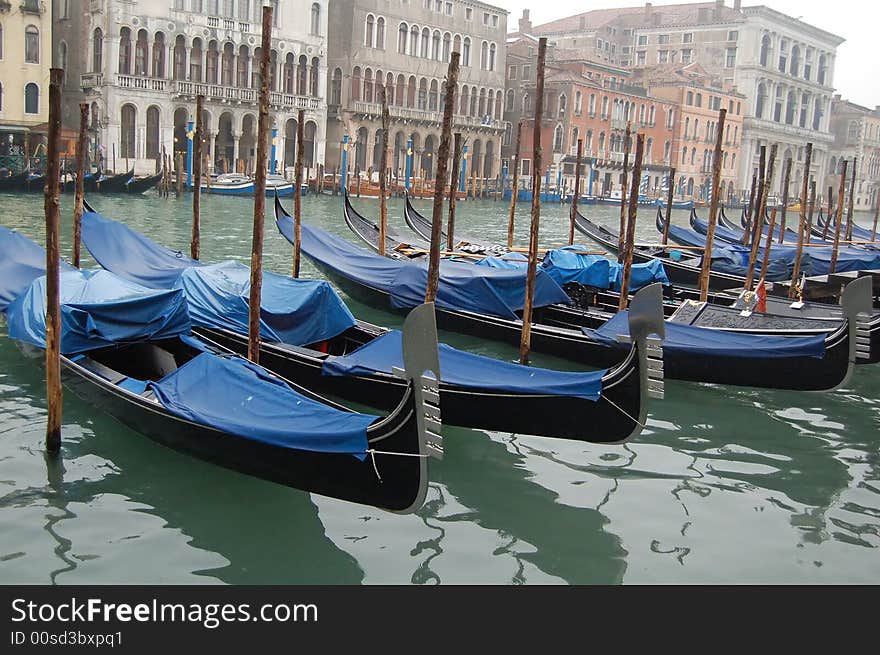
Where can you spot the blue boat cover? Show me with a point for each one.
(691, 340)
(848, 259)
(462, 287)
(98, 309)
(567, 265)
(21, 262)
(297, 312)
(131, 255)
(235, 396)
(511, 261)
(468, 370)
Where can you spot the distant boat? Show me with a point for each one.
(238, 184)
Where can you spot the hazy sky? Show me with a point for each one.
(857, 73)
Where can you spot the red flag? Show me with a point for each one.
(761, 292)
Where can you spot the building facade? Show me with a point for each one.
(140, 66)
(856, 132)
(404, 48)
(25, 59)
(698, 97)
(783, 66)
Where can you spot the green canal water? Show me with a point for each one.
(726, 485)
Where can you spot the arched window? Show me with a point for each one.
(313, 77)
(526, 103)
(492, 51)
(370, 31)
(62, 56)
(400, 92)
(159, 55)
(604, 106)
(380, 33)
(425, 43)
(423, 94)
(466, 51)
(289, 75)
(31, 99)
(356, 84)
(31, 45)
(180, 59)
(414, 41)
(140, 53)
(97, 50)
(805, 104)
(432, 96)
(765, 50)
(368, 85)
(601, 141)
(790, 108)
(557, 138)
(761, 100)
(127, 132)
(823, 69)
(795, 61)
(124, 51)
(336, 88)
(589, 144)
(315, 22)
(195, 60)
(241, 70)
(447, 45)
(818, 112)
(211, 61)
(498, 105)
(402, 31)
(411, 92)
(563, 101)
(481, 109)
(575, 135)
(667, 152)
(578, 101)
(435, 45)
(152, 132)
(302, 72)
(687, 127)
(484, 56)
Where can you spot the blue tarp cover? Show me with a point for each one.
(463, 287)
(297, 312)
(98, 309)
(468, 370)
(704, 341)
(512, 261)
(131, 255)
(848, 259)
(233, 395)
(567, 265)
(21, 262)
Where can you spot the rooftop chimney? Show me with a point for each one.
(525, 25)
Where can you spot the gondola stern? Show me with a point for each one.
(647, 330)
(857, 303)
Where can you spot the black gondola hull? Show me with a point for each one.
(336, 475)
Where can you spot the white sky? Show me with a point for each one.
(857, 73)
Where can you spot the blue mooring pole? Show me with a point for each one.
(463, 178)
(273, 154)
(189, 154)
(409, 158)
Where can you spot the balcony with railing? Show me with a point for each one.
(426, 115)
(142, 83)
(91, 81)
(220, 93)
(32, 7)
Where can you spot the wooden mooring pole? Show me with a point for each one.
(297, 192)
(52, 211)
(786, 183)
(383, 159)
(577, 191)
(767, 178)
(633, 208)
(852, 192)
(623, 183)
(514, 186)
(669, 193)
(830, 213)
(256, 295)
(841, 197)
(706, 270)
(195, 241)
(537, 165)
(456, 171)
(803, 228)
(80, 182)
(440, 178)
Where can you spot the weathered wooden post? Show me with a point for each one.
(841, 197)
(852, 191)
(768, 246)
(761, 208)
(297, 192)
(750, 209)
(756, 220)
(537, 165)
(622, 237)
(51, 208)
(706, 270)
(383, 159)
(577, 191)
(179, 171)
(456, 171)
(876, 216)
(786, 182)
(80, 173)
(514, 186)
(195, 240)
(630, 238)
(830, 213)
(803, 228)
(256, 295)
(669, 192)
(440, 178)
(809, 230)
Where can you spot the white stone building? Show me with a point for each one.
(141, 63)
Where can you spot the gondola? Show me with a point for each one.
(142, 184)
(859, 233)
(690, 353)
(13, 182)
(129, 351)
(115, 183)
(721, 312)
(354, 360)
(422, 227)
